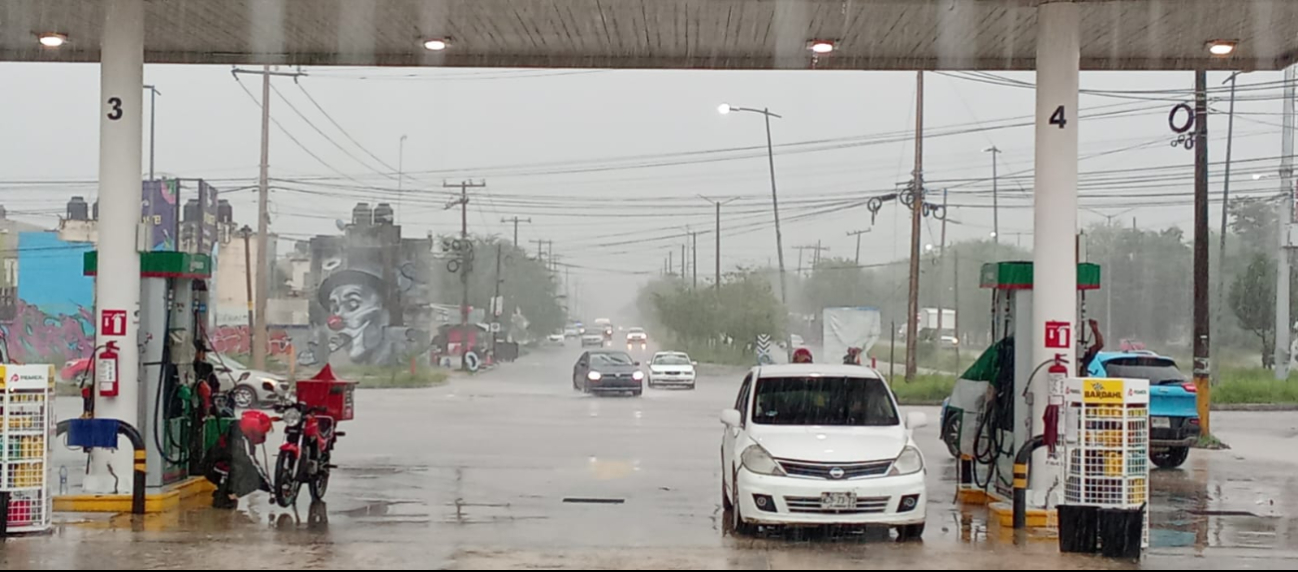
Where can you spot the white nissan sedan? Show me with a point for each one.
(814, 444)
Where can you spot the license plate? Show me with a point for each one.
(1160, 422)
(838, 501)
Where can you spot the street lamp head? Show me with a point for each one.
(724, 109)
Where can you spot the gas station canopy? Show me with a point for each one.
(690, 34)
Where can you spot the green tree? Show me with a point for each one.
(527, 285)
(1252, 298)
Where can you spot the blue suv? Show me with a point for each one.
(1173, 405)
(1173, 402)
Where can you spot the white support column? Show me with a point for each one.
(117, 286)
(1054, 291)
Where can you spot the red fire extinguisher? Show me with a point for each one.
(1057, 378)
(106, 370)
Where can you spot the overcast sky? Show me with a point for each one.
(545, 143)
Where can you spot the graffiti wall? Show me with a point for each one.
(235, 340)
(369, 298)
(54, 322)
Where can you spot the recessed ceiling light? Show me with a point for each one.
(437, 44)
(1222, 47)
(822, 46)
(52, 39)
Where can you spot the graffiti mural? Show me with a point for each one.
(235, 340)
(370, 298)
(37, 337)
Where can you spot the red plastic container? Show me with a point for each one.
(327, 392)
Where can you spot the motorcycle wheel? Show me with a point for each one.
(319, 484)
(287, 484)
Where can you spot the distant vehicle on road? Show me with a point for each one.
(1173, 402)
(671, 369)
(636, 336)
(608, 371)
(813, 444)
(572, 332)
(592, 338)
(557, 338)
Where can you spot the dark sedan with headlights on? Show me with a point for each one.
(607, 371)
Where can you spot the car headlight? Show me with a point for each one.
(908, 463)
(638, 376)
(758, 461)
(292, 417)
(593, 376)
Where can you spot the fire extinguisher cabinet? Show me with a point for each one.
(27, 416)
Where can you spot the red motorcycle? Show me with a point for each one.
(311, 431)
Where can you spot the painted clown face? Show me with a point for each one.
(356, 311)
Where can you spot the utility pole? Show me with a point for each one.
(153, 109)
(917, 215)
(996, 201)
(497, 304)
(263, 228)
(1202, 314)
(1283, 325)
(694, 252)
(259, 342)
(684, 270)
(1219, 307)
(401, 173)
(717, 203)
(247, 271)
(539, 253)
(941, 268)
(955, 293)
(857, 234)
(815, 256)
(671, 264)
(465, 263)
(516, 220)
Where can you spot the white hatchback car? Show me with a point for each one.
(815, 444)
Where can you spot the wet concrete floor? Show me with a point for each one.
(475, 475)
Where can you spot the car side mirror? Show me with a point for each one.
(916, 420)
(731, 418)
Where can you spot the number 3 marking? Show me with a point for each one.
(116, 104)
(1058, 118)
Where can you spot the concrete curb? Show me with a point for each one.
(1256, 407)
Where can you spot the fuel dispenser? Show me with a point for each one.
(989, 412)
(173, 320)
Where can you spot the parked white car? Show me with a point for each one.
(671, 369)
(816, 444)
(247, 387)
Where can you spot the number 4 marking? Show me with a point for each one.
(1059, 117)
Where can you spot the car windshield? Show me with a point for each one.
(1158, 370)
(831, 401)
(636, 330)
(227, 361)
(611, 359)
(672, 359)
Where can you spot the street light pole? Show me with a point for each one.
(996, 201)
(857, 234)
(775, 201)
(153, 100)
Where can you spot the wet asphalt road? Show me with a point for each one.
(475, 475)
